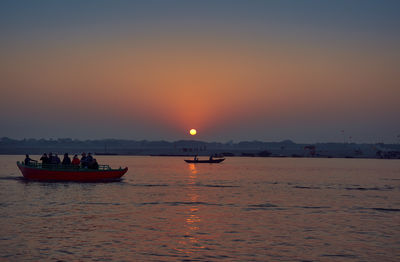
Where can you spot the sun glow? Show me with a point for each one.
(193, 131)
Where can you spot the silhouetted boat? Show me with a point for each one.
(205, 161)
(38, 172)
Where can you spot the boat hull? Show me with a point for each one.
(79, 175)
(205, 161)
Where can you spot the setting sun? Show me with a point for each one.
(193, 131)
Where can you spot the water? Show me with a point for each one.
(245, 209)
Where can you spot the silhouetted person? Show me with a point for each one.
(66, 160)
(94, 164)
(76, 161)
(89, 158)
(52, 159)
(57, 159)
(211, 158)
(28, 160)
(84, 160)
(195, 158)
(44, 159)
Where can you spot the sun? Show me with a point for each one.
(193, 131)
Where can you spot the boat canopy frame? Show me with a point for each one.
(61, 167)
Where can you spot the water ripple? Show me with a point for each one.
(15, 178)
(264, 206)
(179, 203)
(386, 209)
(339, 255)
(314, 207)
(209, 185)
(370, 188)
(306, 187)
(150, 185)
(381, 209)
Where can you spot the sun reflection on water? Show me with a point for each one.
(190, 241)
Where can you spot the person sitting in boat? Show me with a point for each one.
(84, 160)
(66, 160)
(93, 164)
(76, 161)
(57, 159)
(44, 159)
(28, 160)
(51, 160)
(89, 158)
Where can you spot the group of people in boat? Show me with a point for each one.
(210, 159)
(86, 161)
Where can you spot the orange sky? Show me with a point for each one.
(157, 84)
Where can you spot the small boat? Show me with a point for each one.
(211, 161)
(48, 172)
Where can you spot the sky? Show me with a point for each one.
(309, 71)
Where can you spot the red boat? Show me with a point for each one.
(35, 171)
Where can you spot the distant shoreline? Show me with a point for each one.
(234, 156)
(189, 148)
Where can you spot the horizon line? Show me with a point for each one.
(193, 140)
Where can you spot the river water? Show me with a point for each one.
(244, 209)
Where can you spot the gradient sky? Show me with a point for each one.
(234, 70)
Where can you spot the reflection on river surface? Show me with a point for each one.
(244, 209)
